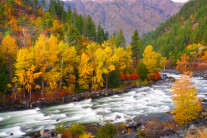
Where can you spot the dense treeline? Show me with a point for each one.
(48, 51)
(187, 27)
(22, 22)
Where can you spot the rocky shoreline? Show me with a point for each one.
(24, 105)
(128, 129)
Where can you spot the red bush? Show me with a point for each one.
(133, 76)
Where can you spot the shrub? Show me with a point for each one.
(144, 83)
(153, 129)
(86, 136)
(66, 134)
(60, 127)
(200, 133)
(142, 71)
(141, 133)
(114, 80)
(107, 131)
(76, 130)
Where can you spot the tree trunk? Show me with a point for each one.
(107, 79)
(10, 68)
(61, 74)
(43, 87)
(24, 91)
(30, 94)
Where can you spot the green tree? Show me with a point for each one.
(136, 53)
(142, 71)
(120, 40)
(100, 34)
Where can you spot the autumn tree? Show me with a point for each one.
(163, 62)
(46, 57)
(185, 99)
(69, 62)
(23, 63)
(8, 53)
(85, 71)
(14, 26)
(150, 59)
(108, 59)
(91, 50)
(204, 57)
(183, 65)
(25, 36)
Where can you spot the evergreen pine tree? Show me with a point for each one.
(120, 40)
(100, 34)
(135, 48)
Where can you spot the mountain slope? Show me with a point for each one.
(143, 15)
(187, 27)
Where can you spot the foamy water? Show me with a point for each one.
(140, 101)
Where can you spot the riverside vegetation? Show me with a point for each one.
(48, 53)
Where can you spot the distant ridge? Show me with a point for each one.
(143, 15)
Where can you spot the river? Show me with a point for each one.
(141, 101)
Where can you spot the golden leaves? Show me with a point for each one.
(150, 59)
(185, 99)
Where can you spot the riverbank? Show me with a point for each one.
(145, 103)
(24, 105)
(144, 126)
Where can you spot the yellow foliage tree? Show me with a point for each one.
(193, 47)
(163, 62)
(150, 59)
(85, 70)
(8, 51)
(46, 57)
(69, 61)
(24, 69)
(91, 50)
(13, 24)
(185, 99)
(204, 57)
(120, 57)
(104, 64)
(183, 64)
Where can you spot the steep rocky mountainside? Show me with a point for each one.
(143, 15)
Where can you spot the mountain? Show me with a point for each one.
(143, 15)
(187, 27)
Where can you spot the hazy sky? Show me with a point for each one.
(180, 0)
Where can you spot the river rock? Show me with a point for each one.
(118, 116)
(109, 121)
(128, 120)
(42, 132)
(37, 135)
(59, 136)
(11, 134)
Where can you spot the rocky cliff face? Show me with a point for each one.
(143, 15)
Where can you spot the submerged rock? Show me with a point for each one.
(118, 116)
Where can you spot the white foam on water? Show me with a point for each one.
(140, 101)
(15, 130)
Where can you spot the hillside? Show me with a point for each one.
(186, 27)
(143, 15)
